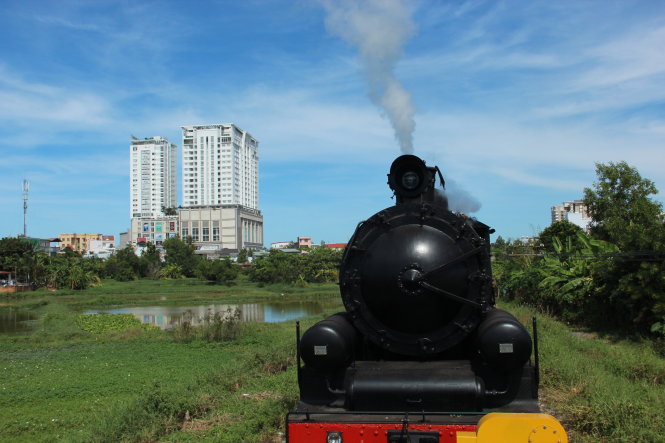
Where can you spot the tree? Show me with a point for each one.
(242, 256)
(181, 254)
(171, 272)
(569, 282)
(169, 211)
(151, 261)
(124, 265)
(621, 209)
(16, 257)
(219, 271)
(562, 230)
(632, 288)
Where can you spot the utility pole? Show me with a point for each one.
(26, 189)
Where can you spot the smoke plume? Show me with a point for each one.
(379, 28)
(460, 200)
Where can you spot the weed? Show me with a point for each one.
(221, 326)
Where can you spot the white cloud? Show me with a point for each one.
(30, 103)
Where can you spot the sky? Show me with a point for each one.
(515, 101)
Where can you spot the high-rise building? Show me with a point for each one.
(573, 211)
(220, 166)
(152, 171)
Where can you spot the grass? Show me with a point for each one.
(128, 383)
(601, 388)
(111, 293)
(123, 382)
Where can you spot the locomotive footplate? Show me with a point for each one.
(312, 427)
(378, 427)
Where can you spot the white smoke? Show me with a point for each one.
(460, 200)
(379, 28)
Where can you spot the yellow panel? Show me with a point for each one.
(515, 428)
(466, 437)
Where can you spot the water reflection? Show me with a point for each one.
(14, 320)
(166, 317)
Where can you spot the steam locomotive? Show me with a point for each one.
(421, 354)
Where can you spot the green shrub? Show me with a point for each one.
(103, 323)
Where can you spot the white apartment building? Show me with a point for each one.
(573, 211)
(220, 166)
(152, 172)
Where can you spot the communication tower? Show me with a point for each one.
(26, 189)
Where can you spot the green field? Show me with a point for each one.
(61, 383)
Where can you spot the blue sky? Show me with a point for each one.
(514, 100)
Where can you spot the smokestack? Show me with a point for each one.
(379, 29)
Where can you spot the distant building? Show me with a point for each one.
(215, 230)
(103, 248)
(43, 244)
(221, 230)
(78, 242)
(152, 176)
(153, 229)
(575, 212)
(220, 166)
(304, 242)
(280, 245)
(336, 246)
(124, 240)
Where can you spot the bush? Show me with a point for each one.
(218, 271)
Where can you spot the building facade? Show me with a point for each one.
(152, 172)
(215, 231)
(219, 230)
(153, 229)
(304, 242)
(220, 166)
(78, 242)
(574, 212)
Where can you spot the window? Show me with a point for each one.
(205, 234)
(195, 234)
(215, 234)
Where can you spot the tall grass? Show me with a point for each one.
(602, 388)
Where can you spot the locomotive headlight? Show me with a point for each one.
(409, 177)
(334, 437)
(410, 180)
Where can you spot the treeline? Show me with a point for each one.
(320, 265)
(72, 271)
(612, 278)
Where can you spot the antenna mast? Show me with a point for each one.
(26, 189)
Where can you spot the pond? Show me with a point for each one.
(15, 320)
(166, 317)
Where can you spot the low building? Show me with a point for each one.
(77, 242)
(280, 245)
(335, 246)
(220, 230)
(153, 229)
(214, 230)
(103, 248)
(47, 245)
(304, 242)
